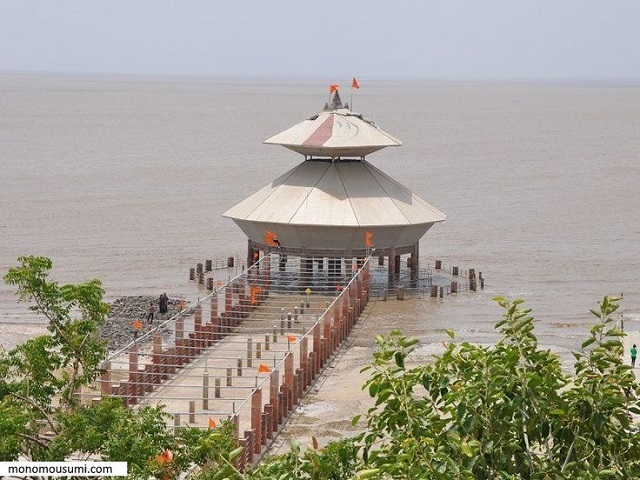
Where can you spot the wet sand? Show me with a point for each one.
(12, 335)
(327, 410)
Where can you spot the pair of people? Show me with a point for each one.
(163, 307)
(163, 303)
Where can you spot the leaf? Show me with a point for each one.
(598, 421)
(466, 449)
(451, 333)
(355, 420)
(367, 473)
(373, 389)
(235, 453)
(399, 358)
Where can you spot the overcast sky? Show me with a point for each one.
(443, 39)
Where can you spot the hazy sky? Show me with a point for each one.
(443, 39)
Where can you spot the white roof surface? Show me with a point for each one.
(336, 194)
(335, 133)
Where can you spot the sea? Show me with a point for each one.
(125, 179)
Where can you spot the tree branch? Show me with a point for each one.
(38, 407)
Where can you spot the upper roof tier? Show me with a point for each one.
(335, 132)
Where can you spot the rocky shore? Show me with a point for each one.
(124, 311)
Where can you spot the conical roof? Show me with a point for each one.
(335, 133)
(321, 205)
(336, 194)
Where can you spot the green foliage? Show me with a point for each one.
(504, 412)
(41, 417)
(215, 453)
(61, 363)
(336, 461)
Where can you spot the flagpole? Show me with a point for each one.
(354, 84)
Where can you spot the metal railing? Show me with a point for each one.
(246, 352)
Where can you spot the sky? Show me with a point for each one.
(423, 39)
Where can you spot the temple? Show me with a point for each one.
(335, 206)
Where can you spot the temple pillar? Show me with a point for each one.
(415, 262)
(392, 267)
(306, 271)
(251, 254)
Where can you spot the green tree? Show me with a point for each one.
(41, 416)
(338, 460)
(506, 411)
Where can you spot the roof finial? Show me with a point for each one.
(336, 101)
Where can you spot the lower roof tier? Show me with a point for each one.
(349, 195)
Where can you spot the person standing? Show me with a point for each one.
(634, 354)
(150, 312)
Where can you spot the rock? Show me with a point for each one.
(124, 311)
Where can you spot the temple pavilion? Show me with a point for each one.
(335, 206)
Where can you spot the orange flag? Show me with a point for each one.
(368, 239)
(354, 83)
(212, 423)
(262, 368)
(254, 295)
(271, 239)
(137, 325)
(333, 88)
(292, 339)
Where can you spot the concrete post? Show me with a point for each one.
(205, 391)
(105, 379)
(256, 418)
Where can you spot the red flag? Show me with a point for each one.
(354, 83)
(212, 423)
(292, 339)
(137, 325)
(262, 368)
(333, 88)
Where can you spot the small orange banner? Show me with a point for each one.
(333, 88)
(262, 368)
(292, 338)
(271, 239)
(137, 325)
(368, 239)
(212, 423)
(354, 83)
(254, 295)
